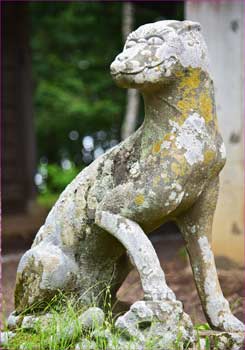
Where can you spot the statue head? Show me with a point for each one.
(154, 52)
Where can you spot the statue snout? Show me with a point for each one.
(117, 66)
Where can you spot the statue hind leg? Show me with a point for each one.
(43, 271)
(196, 227)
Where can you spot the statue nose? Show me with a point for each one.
(117, 66)
(113, 67)
(122, 57)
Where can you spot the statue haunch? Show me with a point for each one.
(167, 170)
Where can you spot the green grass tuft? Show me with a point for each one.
(56, 334)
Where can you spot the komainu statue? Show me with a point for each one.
(167, 170)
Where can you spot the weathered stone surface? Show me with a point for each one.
(86, 344)
(5, 337)
(92, 318)
(31, 321)
(124, 344)
(101, 333)
(141, 252)
(14, 321)
(167, 170)
(220, 340)
(160, 321)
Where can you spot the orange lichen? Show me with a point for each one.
(139, 199)
(156, 147)
(167, 136)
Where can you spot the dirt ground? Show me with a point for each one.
(178, 275)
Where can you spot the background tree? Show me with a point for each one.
(133, 98)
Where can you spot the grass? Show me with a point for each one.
(52, 335)
(56, 334)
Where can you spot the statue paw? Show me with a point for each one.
(231, 324)
(162, 320)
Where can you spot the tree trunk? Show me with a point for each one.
(130, 118)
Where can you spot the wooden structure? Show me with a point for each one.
(18, 143)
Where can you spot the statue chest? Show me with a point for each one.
(192, 138)
(168, 182)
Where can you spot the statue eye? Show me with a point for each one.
(130, 43)
(155, 40)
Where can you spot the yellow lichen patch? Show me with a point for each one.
(156, 181)
(216, 127)
(187, 88)
(164, 153)
(175, 167)
(139, 199)
(179, 166)
(179, 74)
(209, 155)
(168, 136)
(156, 147)
(192, 80)
(205, 105)
(185, 106)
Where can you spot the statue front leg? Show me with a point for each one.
(159, 315)
(196, 227)
(141, 253)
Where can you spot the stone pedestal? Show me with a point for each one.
(162, 323)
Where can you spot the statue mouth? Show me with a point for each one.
(114, 74)
(145, 68)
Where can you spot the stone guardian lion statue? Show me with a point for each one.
(167, 170)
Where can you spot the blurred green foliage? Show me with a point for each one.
(54, 179)
(57, 178)
(73, 44)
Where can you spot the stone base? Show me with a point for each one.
(163, 323)
(216, 340)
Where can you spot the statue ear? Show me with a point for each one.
(188, 26)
